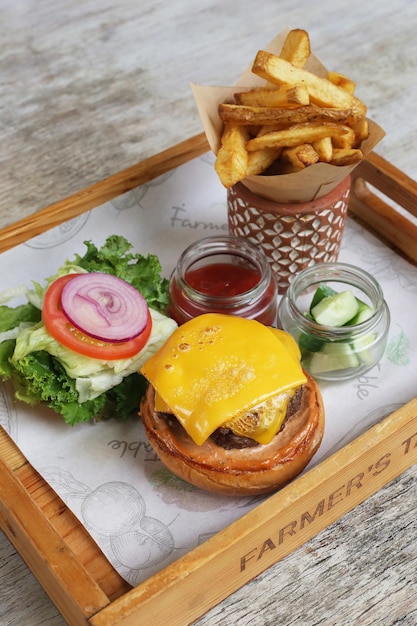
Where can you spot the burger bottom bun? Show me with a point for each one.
(238, 472)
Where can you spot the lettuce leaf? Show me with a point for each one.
(92, 376)
(13, 317)
(39, 377)
(77, 387)
(142, 272)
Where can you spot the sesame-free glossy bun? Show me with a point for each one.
(239, 472)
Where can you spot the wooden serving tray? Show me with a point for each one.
(60, 552)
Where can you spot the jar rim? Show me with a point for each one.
(224, 245)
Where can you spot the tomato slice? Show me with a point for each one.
(61, 329)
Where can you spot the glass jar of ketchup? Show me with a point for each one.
(223, 275)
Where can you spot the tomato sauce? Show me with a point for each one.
(223, 274)
(222, 279)
(223, 288)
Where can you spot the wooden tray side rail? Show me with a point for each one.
(68, 584)
(394, 226)
(59, 551)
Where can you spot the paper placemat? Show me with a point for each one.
(142, 517)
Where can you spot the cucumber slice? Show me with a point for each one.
(309, 343)
(363, 314)
(333, 356)
(362, 346)
(322, 291)
(336, 310)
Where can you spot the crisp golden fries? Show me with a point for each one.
(324, 148)
(296, 48)
(232, 157)
(361, 130)
(284, 96)
(246, 115)
(301, 156)
(342, 81)
(322, 91)
(346, 156)
(260, 160)
(296, 120)
(296, 135)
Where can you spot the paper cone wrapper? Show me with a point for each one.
(309, 184)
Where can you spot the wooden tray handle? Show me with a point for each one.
(394, 222)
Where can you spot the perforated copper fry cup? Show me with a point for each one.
(292, 236)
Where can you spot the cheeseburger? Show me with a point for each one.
(228, 406)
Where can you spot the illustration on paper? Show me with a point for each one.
(115, 515)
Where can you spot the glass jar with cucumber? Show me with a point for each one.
(337, 314)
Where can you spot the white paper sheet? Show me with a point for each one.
(141, 516)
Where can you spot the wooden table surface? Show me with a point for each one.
(89, 88)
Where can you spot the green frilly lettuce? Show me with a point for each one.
(78, 387)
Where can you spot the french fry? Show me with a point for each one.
(296, 120)
(346, 156)
(241, 114)
(342, 81)
(361, 130)
(324, 149)
(296, 48)
(260, 160)
(232, 157)
(295, 135)
(301, 156)
(285, 96)
(345, 140)
(322, 91)
(266, 128)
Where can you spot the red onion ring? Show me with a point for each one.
(104, 306)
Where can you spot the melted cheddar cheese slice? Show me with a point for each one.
(215, 368)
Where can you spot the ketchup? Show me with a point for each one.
(223, 275)
(222, 279)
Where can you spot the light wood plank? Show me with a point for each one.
(382, 213)
(101, 192)
(66, 581)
